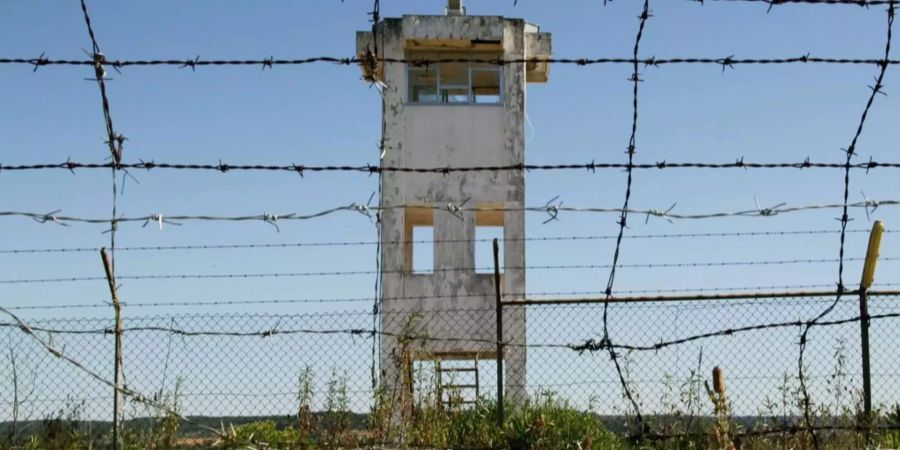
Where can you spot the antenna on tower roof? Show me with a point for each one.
(455, 8)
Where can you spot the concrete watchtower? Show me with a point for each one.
(453, 114)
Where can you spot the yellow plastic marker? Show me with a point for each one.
(868, 275)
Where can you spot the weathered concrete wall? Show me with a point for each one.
(453, 135)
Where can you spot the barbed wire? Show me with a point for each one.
(485, 270)
(592, 345)
(632, 146)
(432, 241)
(844, 220)
(863, 3)
(587, 346)
(116, 142)
(301, 169)
(269, 62)
(551, 209)
(527, 296)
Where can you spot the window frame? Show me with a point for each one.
(439, 88)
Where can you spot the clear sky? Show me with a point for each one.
(325, 114)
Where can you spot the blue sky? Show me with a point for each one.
(324, 114)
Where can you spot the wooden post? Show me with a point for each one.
(118, 400)
(500, 412)
(868, 277)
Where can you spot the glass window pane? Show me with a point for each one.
(486, 86)
(422, 86)
(454, 94)
(454, 82)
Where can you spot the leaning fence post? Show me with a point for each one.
(500, 412)
(118, 400)
(868, 276)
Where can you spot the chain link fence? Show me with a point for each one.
(237, 368)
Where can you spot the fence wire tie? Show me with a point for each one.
(51, 218)
(552, 210)
(767, 212)
(98, 61)
(118, 149)
(659, 213)
(362, 209)
(272, 219)
(874, 204)
(113, 225)
(271, 332)
(159, 219)
(456, 210)
(845, 218)
(840, 287)
(366, 209)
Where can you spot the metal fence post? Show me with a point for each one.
(500, 411)
(118, 400)
(868, 276)
(864, 347)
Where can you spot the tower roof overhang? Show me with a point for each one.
(456, 34)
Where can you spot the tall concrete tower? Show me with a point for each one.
(453, 114)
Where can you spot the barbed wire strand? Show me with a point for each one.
(343, 273)
(115, 142)
(530, 296)
(376, 307)
(269, 62)
(573, 238)
(550, 209)
(844, 220)
(592, 345)
(588, 345)
(369, 169)
(862, 3)
(632, 144)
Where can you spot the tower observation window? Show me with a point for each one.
(455, 83)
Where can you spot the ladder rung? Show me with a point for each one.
(459, 386)
(458, 369)
(460, 402)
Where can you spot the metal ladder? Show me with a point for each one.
(462, 379)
